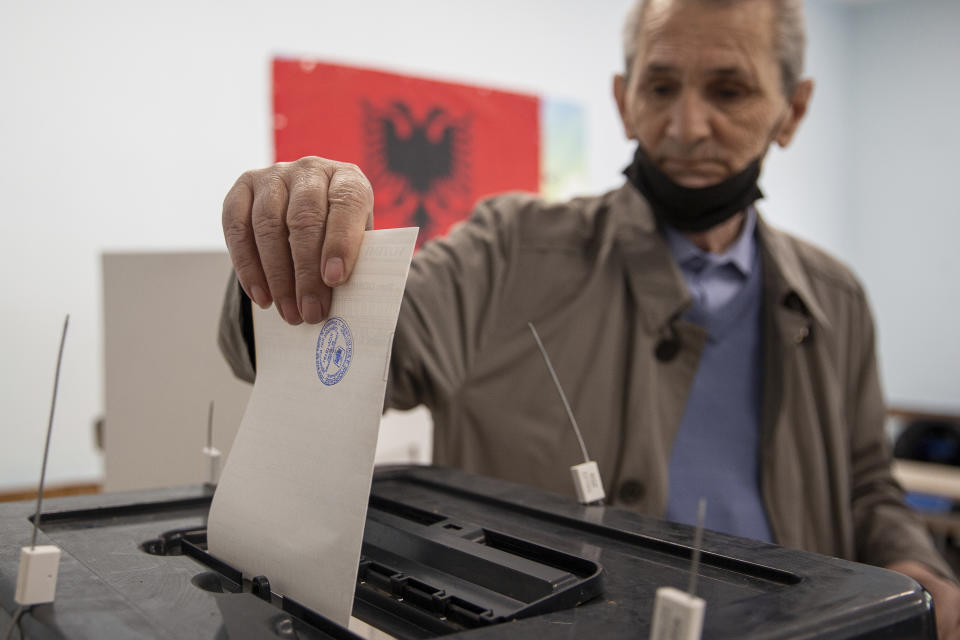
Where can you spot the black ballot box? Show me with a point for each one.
(445, 554)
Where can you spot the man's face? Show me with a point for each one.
(704, 96)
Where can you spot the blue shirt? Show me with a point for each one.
(716, 448)
(713, 280)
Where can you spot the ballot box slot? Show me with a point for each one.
(412, 599)
(422, 574)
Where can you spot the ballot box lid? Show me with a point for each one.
(445, 554)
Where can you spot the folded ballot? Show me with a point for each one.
(292, 499)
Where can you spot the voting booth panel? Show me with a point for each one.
(163, 368)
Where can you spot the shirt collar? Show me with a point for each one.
(742, 253)
(655, 277)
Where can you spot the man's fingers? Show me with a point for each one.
(306, 222)
(350, 211)
(270, 230)
(238, 233)
(294, 231)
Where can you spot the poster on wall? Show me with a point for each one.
(431, 149)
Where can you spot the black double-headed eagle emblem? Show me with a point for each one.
(420, 165)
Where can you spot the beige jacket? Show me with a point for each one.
(600, 284)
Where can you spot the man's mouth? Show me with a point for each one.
(694, 173)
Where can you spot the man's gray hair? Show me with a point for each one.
(791, 38)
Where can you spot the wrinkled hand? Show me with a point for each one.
(946, 597)
(294, 231)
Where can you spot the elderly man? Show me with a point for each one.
(705, 352)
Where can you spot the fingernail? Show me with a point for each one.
(333, 271)
(260, 297)
(312, 309)
(289, 311)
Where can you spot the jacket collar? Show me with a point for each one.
(656, 279)
(787, 280)
(653, 275)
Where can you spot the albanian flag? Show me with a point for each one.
(430, 149)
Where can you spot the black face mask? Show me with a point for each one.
(693, 209)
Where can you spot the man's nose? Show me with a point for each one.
(689, 122)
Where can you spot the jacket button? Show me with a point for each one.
(667, 349)
(631, 491)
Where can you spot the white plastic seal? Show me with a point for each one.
(37, 575)
(586, 480)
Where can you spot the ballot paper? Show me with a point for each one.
(292, 499)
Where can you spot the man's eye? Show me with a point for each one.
(728, 92)
(663, 89)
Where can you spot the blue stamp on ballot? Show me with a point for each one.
(334, 351)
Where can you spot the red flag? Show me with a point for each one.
(430, 149)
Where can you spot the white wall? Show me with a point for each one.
(904, 106)
(806, 184)
(123, 124)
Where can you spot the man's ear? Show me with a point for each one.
(799, 102)
(620, 95)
